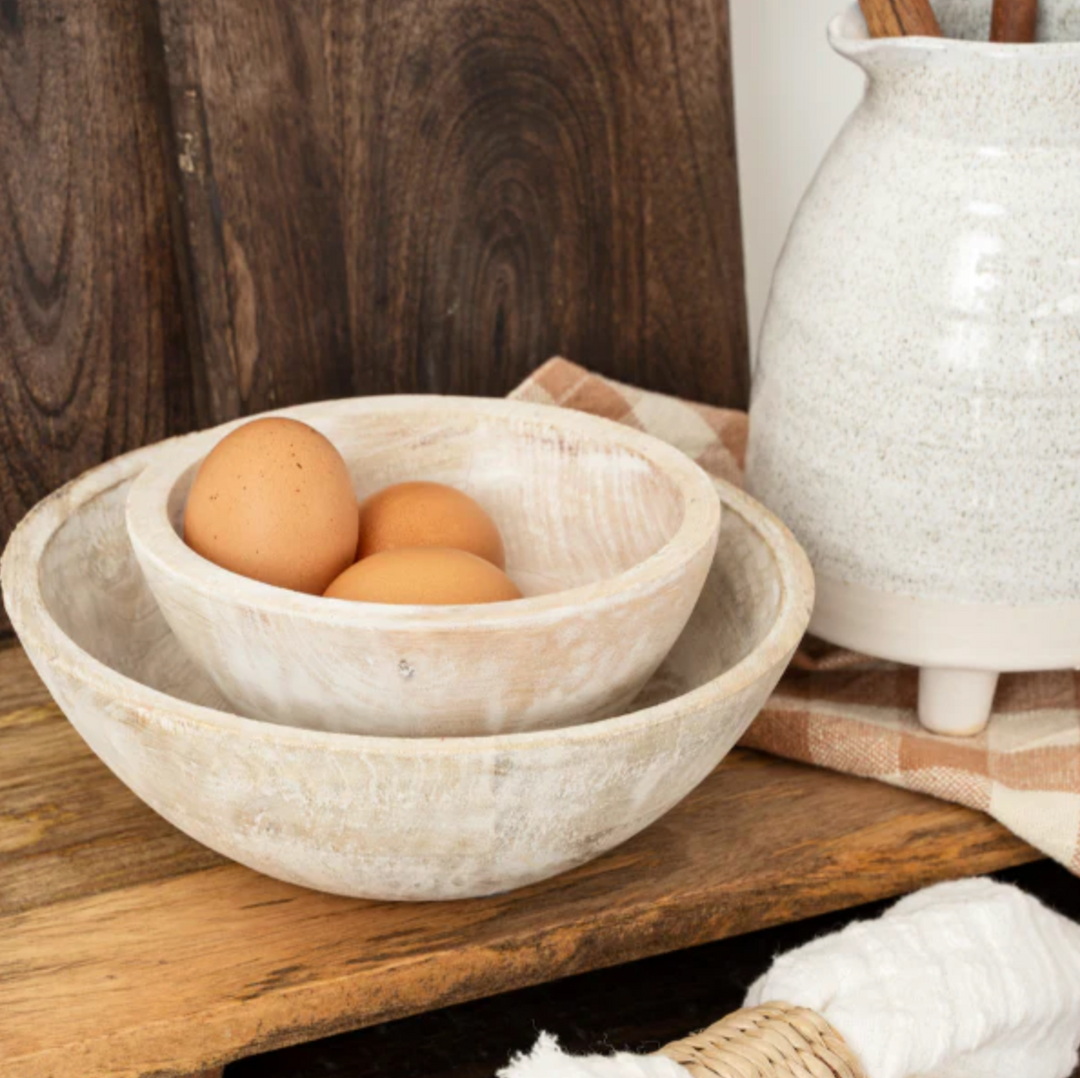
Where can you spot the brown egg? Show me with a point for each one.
(427, 514)
(431, 576)
(274, 501)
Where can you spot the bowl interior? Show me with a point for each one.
(93, 589)
(573, 509)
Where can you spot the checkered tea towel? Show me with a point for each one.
(840, 710)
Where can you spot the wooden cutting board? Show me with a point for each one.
(126, 949)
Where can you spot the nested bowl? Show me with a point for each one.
(609, 533)
(388, 818)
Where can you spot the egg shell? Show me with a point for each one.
(422, 514)
(426, 576)
(274, 501)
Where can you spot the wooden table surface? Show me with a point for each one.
(126, 949)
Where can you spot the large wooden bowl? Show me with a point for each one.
(608, 532)
(388, 818)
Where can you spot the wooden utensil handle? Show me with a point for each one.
(900, 18)
(1014, 21)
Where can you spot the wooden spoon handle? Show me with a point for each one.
(899, 18)
(1014, 21)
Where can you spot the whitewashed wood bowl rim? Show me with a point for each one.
(150, 528)
(42, 636)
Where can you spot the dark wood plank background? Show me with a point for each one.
(213, 207)
(92, 350)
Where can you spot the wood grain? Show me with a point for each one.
(1014, 21)
(92, 354)
(140, 951)
(437, 195)
(899, 18)
(261, 195)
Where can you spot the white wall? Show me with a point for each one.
(792, 93)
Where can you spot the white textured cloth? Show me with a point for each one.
(973, 979)
(547, 1060)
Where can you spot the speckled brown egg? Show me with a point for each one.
(427, 514)
(429, 576)
(274, 501)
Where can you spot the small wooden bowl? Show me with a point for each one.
(388, 818)
(609, 534)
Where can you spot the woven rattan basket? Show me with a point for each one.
(775, 1040)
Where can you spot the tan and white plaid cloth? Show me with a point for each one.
(840, 710)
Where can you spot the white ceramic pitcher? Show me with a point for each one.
(916, 409)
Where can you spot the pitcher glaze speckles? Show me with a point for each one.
(916, 411)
